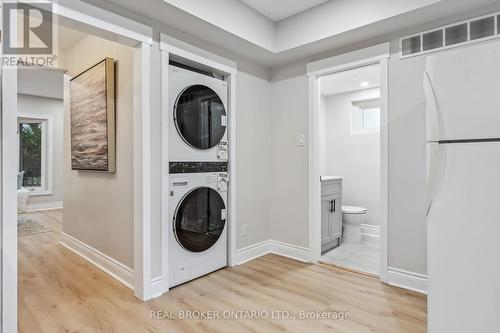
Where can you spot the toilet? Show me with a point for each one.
(352, 219)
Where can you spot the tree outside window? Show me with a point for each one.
(30, 153)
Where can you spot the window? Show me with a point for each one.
(371, 118)
(35, 165)
(365, 117)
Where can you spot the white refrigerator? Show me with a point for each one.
(462, 89)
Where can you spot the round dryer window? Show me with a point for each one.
(200, 219)
(200, 117)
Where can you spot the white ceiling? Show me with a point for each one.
(278, 10)
(234, 30)
(351, 80)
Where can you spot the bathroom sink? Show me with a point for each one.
(328, 178)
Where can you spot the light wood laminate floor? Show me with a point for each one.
(61, 292)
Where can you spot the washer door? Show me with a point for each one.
(200, 117)
(200, 219)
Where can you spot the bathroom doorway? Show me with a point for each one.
(350, 157)
(348, 162)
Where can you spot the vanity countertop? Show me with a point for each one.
(329, 178)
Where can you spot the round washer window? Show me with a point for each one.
(200, 219)
(200, 117)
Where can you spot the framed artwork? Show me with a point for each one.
(92, 116)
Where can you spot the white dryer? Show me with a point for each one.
(198, 117)
(197, 225)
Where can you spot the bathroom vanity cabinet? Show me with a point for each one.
(331, 212)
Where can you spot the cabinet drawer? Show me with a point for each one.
(330, 188)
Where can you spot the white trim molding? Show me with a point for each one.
(142, 172)
(157, 287)
(45, 206)
(252, 252)
(257, 250)
(115, 269)
(79, 11)
(407, 280)
(349, 60)
(290, 251)
(369, 230)
(184, 50)
(9, 149)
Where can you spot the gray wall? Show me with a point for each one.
(407, 170)
(98, 207)
(36, 105)
(253, 139)
(288, 214)
(355, 157)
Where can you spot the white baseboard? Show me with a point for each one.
(290, 251)
(158, 288)
(407, 280)
(117, 270)
(44, 206)
(370, 230)
(252, 252)
(271, 246)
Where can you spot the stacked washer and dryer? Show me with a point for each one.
(198, 154)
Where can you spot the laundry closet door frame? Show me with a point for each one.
(378, 54)
(173, 47)
(122, 30)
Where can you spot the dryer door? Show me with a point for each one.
(200, 219)
(200, 117)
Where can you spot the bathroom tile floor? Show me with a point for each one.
(364, 257)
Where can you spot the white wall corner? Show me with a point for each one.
(115, 269)
(290, 251)
(252, 252)
(407, 280)
(271, 246)
(45, 206)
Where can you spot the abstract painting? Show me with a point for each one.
(92, 116)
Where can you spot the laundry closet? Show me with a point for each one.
(198, 154)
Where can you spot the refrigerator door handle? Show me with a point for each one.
(431, 111)
(436, 166)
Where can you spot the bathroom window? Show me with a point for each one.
(365, 116)
(34, 150)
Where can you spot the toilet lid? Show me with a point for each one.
(353, 210)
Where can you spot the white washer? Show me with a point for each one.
(198, 117)
(197, 225)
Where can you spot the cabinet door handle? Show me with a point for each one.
(332, 207)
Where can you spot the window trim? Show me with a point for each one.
(357, 115)
(47, 160)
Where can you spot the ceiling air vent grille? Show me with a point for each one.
(453, 35)
(456, 34)
(432, 40)
(482, 28)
